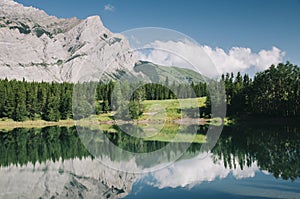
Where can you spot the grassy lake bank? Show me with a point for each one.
(155, 111)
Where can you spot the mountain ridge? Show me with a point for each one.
(37, 47)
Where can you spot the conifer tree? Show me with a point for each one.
(20, 111)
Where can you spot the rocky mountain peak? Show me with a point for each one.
(39, 47)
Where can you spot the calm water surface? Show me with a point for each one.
(247, 162)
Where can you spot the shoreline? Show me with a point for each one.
(7, 125)
(10, 124)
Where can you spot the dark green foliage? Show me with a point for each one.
(23, 29)
(40, 31)
(65, 104)
(22, 146)
(174, 91)
(59, 62)
(73, 57)
(106, 107)
(20, 111)
(134, 109)
(51, 109)
(31, 101)
(22, 100)
(274, 148)
(3, 95)
(58, 31)
(274, 92)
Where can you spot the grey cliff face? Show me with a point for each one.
(39, 47)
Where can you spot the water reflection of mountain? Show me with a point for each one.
(75, 178)
(53, 161)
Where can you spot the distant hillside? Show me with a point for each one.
(157, 73)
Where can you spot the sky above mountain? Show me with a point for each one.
(240, 35)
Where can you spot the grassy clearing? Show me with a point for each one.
(170, 110)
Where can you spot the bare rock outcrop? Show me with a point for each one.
(39, 47)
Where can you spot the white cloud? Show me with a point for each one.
(109, 7)
(182, 54)
(242, 59)
(209, 61)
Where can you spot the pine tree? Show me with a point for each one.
(41, 97)
(9, 103)
(20, 111)
(65, 102)
(134, 109)
(31, 100)
(51, 110)
(3, 98)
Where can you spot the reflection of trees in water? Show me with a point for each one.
(104, 144)
(276, 149)
(21, 146)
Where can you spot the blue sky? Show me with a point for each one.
(254, 24)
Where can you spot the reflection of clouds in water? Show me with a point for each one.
(91, 178)
(188, 173)
(48, 179)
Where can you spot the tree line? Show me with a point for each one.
(273, 92)
(22, 100)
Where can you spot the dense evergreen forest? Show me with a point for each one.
(274, 92)
(21, 100)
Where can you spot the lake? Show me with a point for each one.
(247, 161)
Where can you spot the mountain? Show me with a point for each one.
(39, 47)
